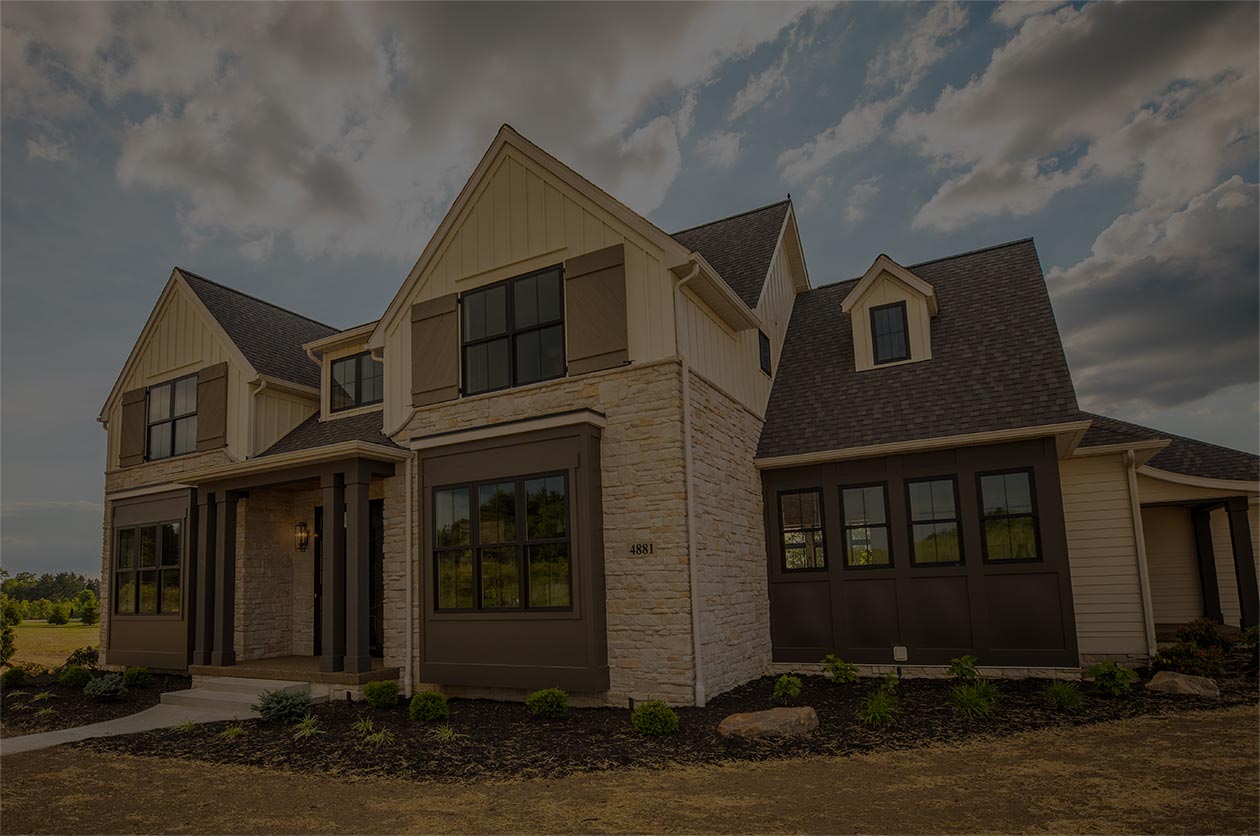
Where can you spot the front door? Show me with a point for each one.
(376, 584)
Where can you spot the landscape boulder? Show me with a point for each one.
(1183, 683)
(774, 722)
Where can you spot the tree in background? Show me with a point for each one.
(59, 586)
(87, 607)
(59, 613)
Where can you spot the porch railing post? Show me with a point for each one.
(358, 602)
(333, 602)
(204, 579)
(1244, 563)
(224, 652)
(1202, 521)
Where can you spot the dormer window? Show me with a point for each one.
(890, 333)
(358, 380)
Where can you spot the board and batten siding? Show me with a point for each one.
(275, 414)
(181, 344)
(522, 218)
(887, 290)
(1102, 553)
(1173, 564)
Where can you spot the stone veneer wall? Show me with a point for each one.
(265, 562)
(730, 539)
(644, 499)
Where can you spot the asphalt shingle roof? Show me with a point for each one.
(269, 336)
(739, 247)
(997, 363)
(312, 432)
(1183, 455)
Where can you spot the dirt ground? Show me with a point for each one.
(48, 645)
(1194, 772)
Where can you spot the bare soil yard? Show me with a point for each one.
(1191, 772)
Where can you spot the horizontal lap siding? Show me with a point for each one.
(1173, 564)
(1103, 556)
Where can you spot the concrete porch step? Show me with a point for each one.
(234, 694)
(247, 685)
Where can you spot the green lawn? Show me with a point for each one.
(47, 644)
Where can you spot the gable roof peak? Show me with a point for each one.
(884, 264)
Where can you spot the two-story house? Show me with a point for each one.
(578, 451)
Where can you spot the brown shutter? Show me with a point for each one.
(212, 395)
(131, 440)
(435, 350)
(595, 310)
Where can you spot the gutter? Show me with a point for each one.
(1139, 540)
(692, 569)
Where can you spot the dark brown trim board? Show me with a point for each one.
(520, 649)
(1008, 613)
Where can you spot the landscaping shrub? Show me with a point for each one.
(891, 683)
(427, 706)
(1111, 679)
(10, 617)
(654, 718)
(841, 672)
(1184, 657)
(232, 732)
(964, 668)
(136, 677)
(879, 709)
(75, 676)
(59, 614)
(86, 657)
(974, 700)
(445, 733)
(384, 737)
(1063, 696)
(87, 607)
(364, 725)
(13, 678)
(786, 689)
(282, 706)
(108, 688)
(1203, 632)
(308, 726)
(549, 703)
(1250, 636)
(383, 694)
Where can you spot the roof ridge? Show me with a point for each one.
(976, 251)
(733, 217)
(187, 272)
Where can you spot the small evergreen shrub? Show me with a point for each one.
(654, 718)
(428, 706)
(85, 657)
(383, 694)
(75, 676)
(880, 709)
(1063, 696)
(59, 614)
(786, 689)
(282, 706)
(964, 668)
(973, 700)
(1184, 657)
(1111, 679)
(13, 678)
(549, 703)
(136, 677)
(1204, 633)
(840, 671)
(107, 688)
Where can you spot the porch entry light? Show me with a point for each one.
(301, 536)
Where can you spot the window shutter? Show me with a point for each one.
(212, 395)
(131, 440)
(435, 350)
(595, 310)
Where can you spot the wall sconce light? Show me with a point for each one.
(301, 536)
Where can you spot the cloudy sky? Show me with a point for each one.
(305, 152)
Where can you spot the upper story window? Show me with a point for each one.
(358, 380)
(513, 332)
(1010, 518)
(763, 344)
(890, 333)
(172, 418)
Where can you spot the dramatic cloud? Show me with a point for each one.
(1163, 312)
(858, 128)
(760, 87)
(859, 197)
(720, 148)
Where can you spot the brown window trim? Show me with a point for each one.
(1032, 499)
(522, 543)
(956, 519)
(158, 569)
(905, 329)
(171, 418)
(822, 529)
(511, 332)
(886, 525)
(358, 382)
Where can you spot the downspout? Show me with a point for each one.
(692, 570)
(1139, 539)
(260, 384)
(411, 624)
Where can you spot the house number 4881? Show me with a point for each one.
(640, 548)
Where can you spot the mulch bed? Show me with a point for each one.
(20, 711)
(503, 740)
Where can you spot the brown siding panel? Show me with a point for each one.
(595, 318)
(131, 446)
(212, 394)
(435, 350)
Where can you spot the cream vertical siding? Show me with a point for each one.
(1173, 564)
(181, 344)
(275, 414)
(522, 218)
(886, 290)
(1103, 557)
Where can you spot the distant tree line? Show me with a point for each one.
(52, 597)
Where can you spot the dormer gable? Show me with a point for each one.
(352, 378)
(890, 311)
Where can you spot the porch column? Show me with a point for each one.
(1244, 562)
(1201, 518)
(333, 616)
(358, 650)
(204, 580)
(224, 653)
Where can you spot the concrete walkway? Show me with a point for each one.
(157, 717)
